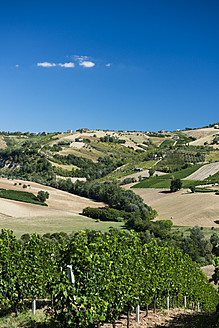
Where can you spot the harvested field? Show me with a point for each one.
(52, 224)
(204, 172)
(62, 213)
(59, 201)
(186, 209)
(131, 144)
(82, 153)
(59, 177)
(143, 173)
(201, 133)
(157, 141)
(65, 167)
(2, 143)
(77, 145)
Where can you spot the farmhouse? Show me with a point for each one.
(138, 169)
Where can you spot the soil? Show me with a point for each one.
(162, 318)
(204, 172)
(183, 208)
(60, 203)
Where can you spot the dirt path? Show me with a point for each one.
(204, 172)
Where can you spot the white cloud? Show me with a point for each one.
(87, 64)
(46, 64)
(67, 65)
(108, 65)
(17, 65)
(80, 58)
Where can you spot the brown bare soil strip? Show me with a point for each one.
(204, 172)
(162, 318)
(186, 209)
(201, 133)
(208, 270)
(2, 143)
(143, 173)
(60, 203)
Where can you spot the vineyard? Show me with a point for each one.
(111, 274)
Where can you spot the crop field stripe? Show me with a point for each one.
(163, 181)
(20, 196)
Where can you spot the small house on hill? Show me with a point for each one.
(138, 169)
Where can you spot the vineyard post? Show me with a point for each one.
(71, 276)
(184, 301)
(137, 311)
(34, 305)
(168, 301)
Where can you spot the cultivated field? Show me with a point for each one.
(204, 172)
(143, 173)
(2, 143)
(186, 209)
(62, 213)
(202, 135)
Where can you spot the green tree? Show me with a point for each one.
(175, 185)
(42, 195)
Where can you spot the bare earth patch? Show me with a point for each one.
(185, 209)
(204, 172)
(162, 318)
(143, 173)
(62, 213)
(208, 270)
(201, 133)
(2, 143)
(59, 201)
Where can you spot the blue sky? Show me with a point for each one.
(131, 65)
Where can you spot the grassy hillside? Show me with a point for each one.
(32, 156)
(67, 224)
(164, 181)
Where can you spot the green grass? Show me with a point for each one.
(21, 196)
(213, 156)
(204, 189)
(146, 164)
(167, 143)
(164, 181)
(207, 231)
(65, 167)
(15, 141)
(213, 178)
(42, 225)
(25, 319)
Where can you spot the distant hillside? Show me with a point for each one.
(104, 155)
